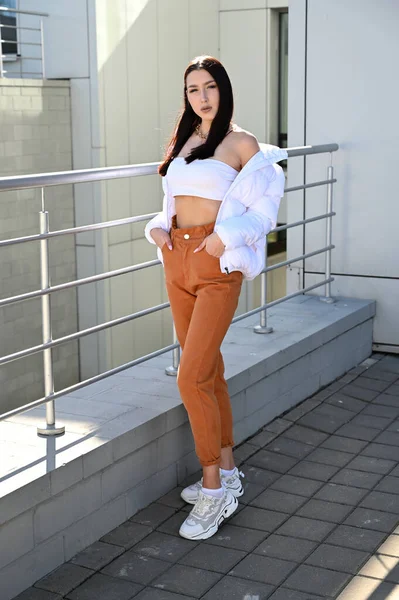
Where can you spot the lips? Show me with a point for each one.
(206, 108)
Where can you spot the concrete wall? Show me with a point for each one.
(35, 136)
(342, 88)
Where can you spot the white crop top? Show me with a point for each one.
(206, 178)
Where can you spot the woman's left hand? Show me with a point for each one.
(213, 245)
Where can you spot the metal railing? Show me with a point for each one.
(43, 181)
(19, 43)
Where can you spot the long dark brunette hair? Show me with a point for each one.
(188, 120)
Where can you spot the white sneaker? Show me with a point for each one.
(207, 515)
(230, 482)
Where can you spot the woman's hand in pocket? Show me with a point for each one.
(161, 237)
(213, 245)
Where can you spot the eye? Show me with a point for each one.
(212, 85)
(191, 91)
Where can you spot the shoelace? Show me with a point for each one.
(202, 505)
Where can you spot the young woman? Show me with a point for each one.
(222, 194)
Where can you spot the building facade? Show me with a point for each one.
(341, 89)
(125, 62)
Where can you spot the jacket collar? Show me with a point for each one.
(267, 155)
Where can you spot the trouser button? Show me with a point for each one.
(186, 236)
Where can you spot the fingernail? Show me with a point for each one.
(196, 250)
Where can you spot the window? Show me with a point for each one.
(283, 81)
(277, 240)
(8, 22)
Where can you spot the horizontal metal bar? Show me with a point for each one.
(25, 73)
(310, 185)
(82, 384)
(19, 27)
(30, 57)
(22, 182)
(23, 12)
(124, 271)
(75, 230)
(307, 150)
(274, 302)
(125, 221)
(77, 282)
(25, 44)
(303, 222)
(79, 334)
(302, 257)
(16, 42)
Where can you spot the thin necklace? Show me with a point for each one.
(198, 131)
(204, 136)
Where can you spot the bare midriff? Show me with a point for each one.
(192, 211)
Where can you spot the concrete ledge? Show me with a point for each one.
(128, 440)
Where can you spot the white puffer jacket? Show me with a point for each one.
(248, 212)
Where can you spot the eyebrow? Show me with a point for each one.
(206, 83)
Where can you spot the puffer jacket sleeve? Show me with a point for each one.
(161, 219)
(261, 212)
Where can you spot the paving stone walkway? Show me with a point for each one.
(317, 521)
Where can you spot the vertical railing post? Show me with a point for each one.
(50, 428)
(172, 370)
(1, 52)
(42, 48)
(262, 327)
(329, 206)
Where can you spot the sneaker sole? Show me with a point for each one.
(228, 510)
(236, 493)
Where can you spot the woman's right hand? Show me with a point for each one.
(161, 237)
